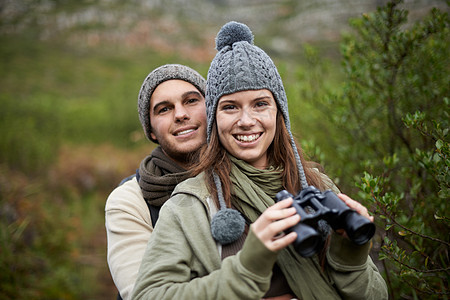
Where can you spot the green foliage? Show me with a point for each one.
(29, 131)
(394, 111)
(39, 249)
(311, 79)
(53, 94)
(52, 235)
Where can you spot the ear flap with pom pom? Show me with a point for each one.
(228, 224)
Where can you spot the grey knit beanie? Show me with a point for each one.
(155, 78)
(239, 65)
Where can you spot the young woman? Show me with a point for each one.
(220, 236)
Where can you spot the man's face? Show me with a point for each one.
(178, 119)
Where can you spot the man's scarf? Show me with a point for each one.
(158, 177)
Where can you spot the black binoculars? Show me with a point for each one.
(313, 205)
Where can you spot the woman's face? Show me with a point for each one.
(246, 123)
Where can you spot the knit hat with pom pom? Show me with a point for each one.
(238, 66)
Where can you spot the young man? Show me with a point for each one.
(171, 107)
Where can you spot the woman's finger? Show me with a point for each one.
(279, 210)
(275, 220)
(358, 207)
(282, 242)
(273, 229)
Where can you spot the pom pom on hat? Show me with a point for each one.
(227, 226)
(233, 32)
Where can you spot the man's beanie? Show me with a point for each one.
(239, 65)
(155, 78)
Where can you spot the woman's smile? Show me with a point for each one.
(247, 138)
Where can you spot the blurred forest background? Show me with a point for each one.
(368, 89)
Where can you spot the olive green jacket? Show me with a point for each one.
(182, 260)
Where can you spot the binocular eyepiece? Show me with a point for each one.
(313, 205)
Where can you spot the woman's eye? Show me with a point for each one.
(228, 107)
(261, 103)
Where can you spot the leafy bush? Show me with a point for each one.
(394, 113)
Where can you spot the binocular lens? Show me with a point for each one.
(359, 229)
(309, 246)
(308, 240)
(363, 234)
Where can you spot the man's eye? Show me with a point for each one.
(163, 110)
(192, 100)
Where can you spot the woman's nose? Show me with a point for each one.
(246, 119)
